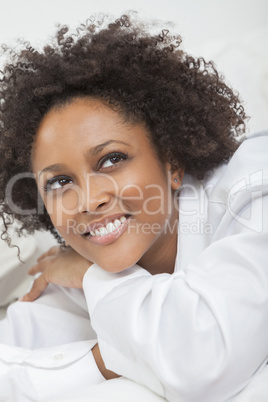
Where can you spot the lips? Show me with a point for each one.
(108, 231)
(106, 226)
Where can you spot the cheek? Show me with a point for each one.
(145, 193)
(132, 195)
(62, 210)
(65, 203)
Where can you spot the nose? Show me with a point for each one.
(96, 195)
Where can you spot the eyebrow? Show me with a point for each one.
(96, 150)
(91, 152)
(52, 168)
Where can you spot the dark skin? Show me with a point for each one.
(92, 167)
(192, 115)
(58, 159)
(107, 374)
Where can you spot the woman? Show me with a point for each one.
(130, 144)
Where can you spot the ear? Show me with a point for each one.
(176, 177)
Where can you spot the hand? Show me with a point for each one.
(63, 267)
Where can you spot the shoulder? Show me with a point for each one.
(247, 169)
(251, 154)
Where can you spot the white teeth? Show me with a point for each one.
(117, 223)
(103, 231)
(109, 228)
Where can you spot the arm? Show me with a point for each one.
(66, 268)
(207, 324)
(107, 374)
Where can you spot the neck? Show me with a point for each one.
(162, 256)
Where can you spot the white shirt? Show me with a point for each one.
(200, 334)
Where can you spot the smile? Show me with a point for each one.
(109, 228)
(105, 234)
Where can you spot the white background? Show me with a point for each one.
(197, 20)
(234, 33)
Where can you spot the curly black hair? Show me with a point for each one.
(193, 117)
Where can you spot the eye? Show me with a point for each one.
(112, 159)
(57, 182)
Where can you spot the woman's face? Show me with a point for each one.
(104, 188)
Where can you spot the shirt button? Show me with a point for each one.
(58, 356)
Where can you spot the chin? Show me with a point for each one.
(116, 266)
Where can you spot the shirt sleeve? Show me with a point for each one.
(47, 374)
(198, 334)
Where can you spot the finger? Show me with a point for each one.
(38, 287)
(42, 256)
(40, 266)
(52, 251)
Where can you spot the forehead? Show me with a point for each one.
(84, 123)
(78, 117)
